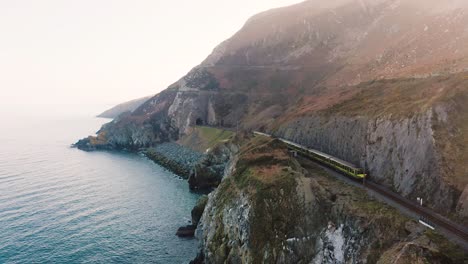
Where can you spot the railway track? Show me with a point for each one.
(427, 214)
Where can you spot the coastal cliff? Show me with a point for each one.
(350, 77)
(382, 84)
(270, 209)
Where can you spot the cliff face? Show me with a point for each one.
(378, 83)
(210, 171)
(400, 154)
(408, 134)
(267, 211)
(145, 127)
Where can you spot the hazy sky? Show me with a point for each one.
(109, 51)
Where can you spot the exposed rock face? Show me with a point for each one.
(186, 231)
(400, 154)
(228, 238)
(197, 211)
(209, 172)
(463, 203)
(145, 127)
(267, 211)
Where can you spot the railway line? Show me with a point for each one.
(430, 217)
(427, 214)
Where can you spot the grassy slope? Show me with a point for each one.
(401, 97)
(203, 138)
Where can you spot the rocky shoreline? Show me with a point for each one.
(176, 158)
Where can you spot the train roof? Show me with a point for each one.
(345, 163)
(330, 157)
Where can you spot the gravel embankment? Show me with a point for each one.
(177, 158)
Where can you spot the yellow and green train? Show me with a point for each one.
(333, 162)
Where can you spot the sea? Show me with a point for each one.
(62, 205)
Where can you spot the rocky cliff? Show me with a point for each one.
(408, 134)
(379, 83)
(272, 210)
(210, 171)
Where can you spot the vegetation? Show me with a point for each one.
(203, 138)
(389, 224)
(267, 174)
(202, 79)
(452, 138)
(447, 248)
(400, 97)
(271, 178)
(99, 140)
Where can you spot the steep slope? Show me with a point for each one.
(348, 41)
(119, 109)
(378, 83)
(272, 210)
(410, 134)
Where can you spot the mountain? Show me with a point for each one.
(119, 109)
(380, 83)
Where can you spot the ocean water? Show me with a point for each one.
(62, 205)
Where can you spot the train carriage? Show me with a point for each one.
(333, 162)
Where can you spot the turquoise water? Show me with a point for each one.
(62, 205)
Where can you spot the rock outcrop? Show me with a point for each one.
(272, 210)
(209, 172)
(198, 209)
(197, 212)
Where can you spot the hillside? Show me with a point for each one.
(204, 139)
(382, 84)
(266, 211)
(119, 109)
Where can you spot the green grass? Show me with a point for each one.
(203, 138)
(447, 248)
(212, 136)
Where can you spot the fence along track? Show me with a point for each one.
(435, 218)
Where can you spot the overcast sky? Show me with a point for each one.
(109, 51)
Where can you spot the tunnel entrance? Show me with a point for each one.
(199, 122)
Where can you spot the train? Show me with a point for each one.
(335, 163)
